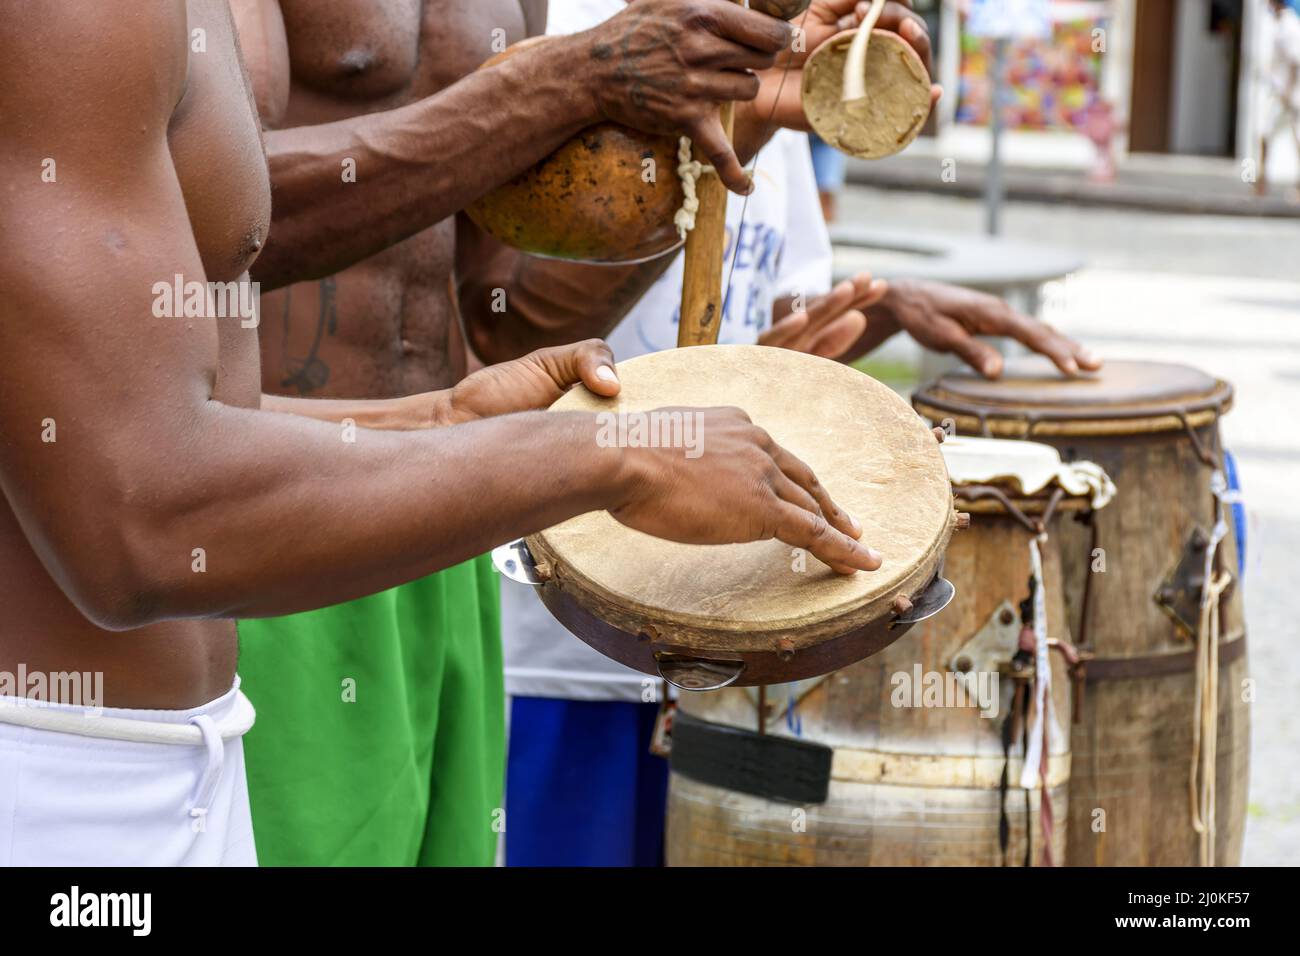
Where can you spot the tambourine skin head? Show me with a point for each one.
(897, 103)
(762, 612)
(781, 9)
(608, 195)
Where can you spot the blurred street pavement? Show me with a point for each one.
(1188, 184)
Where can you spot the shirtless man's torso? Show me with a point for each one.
(386, 326)
(216, 146)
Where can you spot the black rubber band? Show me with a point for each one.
(774, 768)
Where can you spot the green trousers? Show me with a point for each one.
(380, 733)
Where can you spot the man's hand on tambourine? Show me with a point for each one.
(742, 487)
(666, 65)
(779, 102)
(535, 381)
(831, 324)
(946, 318)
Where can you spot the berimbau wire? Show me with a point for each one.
(753, 169)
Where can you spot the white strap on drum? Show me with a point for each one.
(1205, 710)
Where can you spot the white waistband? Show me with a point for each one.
(233, 715)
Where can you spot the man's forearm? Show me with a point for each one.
(396, 506)
(410, 412)
(346, 190)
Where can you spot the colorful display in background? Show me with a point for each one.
(1009, 18)
(1051, 84)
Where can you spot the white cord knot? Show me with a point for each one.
(689, 170)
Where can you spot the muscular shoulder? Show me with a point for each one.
(90, 68)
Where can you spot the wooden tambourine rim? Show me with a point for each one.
(684, 636)
(772, 659)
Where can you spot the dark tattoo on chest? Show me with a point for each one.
(309, 373)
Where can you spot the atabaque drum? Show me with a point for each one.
(917, 756)
(706, 616)
(1151, 584)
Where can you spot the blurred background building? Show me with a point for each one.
(1173, 84)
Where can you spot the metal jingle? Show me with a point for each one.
(937, 596)
(693, 674)
(516, 562)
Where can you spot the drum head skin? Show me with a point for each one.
(1123, 398)
(873, 453)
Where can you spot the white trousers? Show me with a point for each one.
(116, 787)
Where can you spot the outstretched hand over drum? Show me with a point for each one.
(743, 487)
(948, 318)
(831, 324)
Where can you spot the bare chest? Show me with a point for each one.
(216, 147)
(349, 57)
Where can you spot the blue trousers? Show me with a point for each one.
(582, 788)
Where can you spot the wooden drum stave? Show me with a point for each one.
(1155, 429)
(899, 785)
